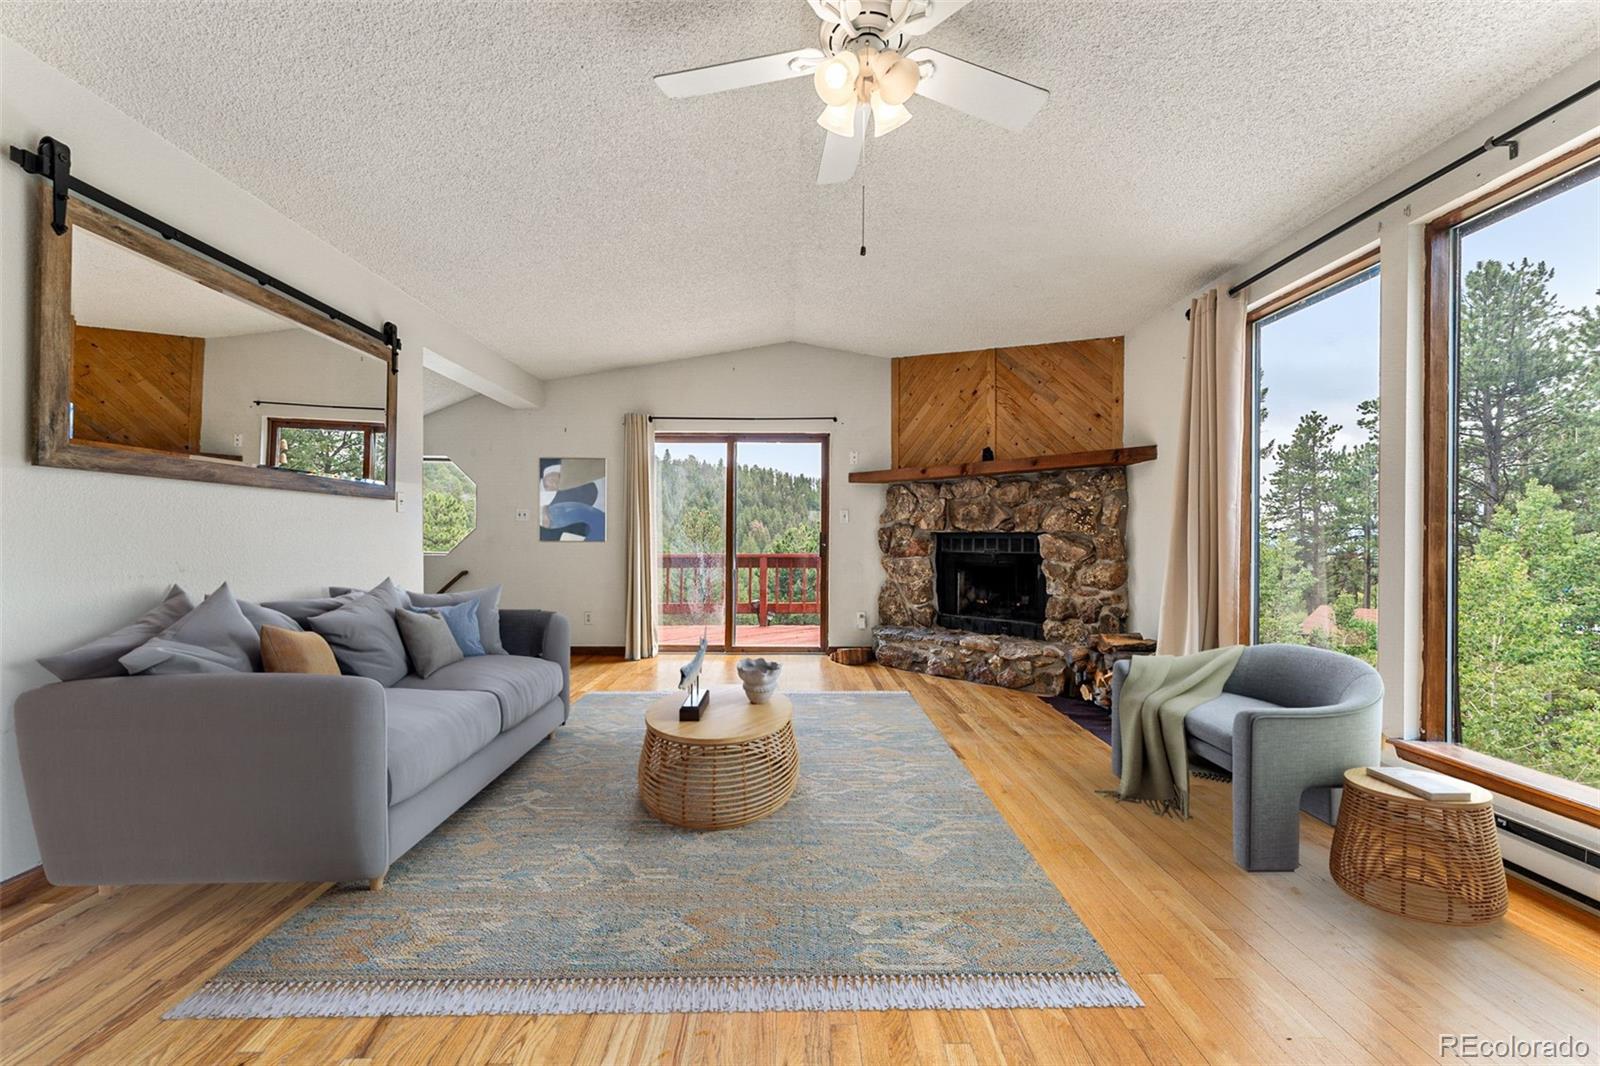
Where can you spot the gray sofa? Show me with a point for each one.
(277, 777)
(1290, 721)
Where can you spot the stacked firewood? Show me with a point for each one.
(1092, 662)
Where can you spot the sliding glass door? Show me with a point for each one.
(745, 513)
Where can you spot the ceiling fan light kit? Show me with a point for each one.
(862, 66)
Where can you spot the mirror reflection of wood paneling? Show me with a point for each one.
(153, 360)
(138, 389)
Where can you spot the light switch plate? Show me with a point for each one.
(861, 619)
(844, 515)
(400, 501)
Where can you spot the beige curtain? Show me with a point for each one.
(639, 453)
(1200, 602)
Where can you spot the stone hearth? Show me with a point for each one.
(1081, 519)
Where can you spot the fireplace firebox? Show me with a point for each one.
(990, 583)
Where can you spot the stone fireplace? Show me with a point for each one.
(999, 579)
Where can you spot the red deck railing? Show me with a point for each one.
(765, 583)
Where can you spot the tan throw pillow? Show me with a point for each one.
(283, 651)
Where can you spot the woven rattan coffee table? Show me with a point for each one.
(737, 764)
(1419, 858)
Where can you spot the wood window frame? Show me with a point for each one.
(53, 326)
(368, 431)
(1248, 512)
(1434, 748)
(731, 441)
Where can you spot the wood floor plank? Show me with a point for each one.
(1233, 967)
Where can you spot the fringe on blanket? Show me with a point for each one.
(653, 995)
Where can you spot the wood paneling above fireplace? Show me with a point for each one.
(1037, 399)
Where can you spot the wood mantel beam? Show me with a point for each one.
(1144, 453)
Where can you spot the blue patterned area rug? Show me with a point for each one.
(889, 881)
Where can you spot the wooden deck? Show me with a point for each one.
(747, 636)
(1232, 966)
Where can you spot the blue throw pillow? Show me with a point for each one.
(462, 618)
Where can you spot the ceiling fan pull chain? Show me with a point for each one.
(863, 218)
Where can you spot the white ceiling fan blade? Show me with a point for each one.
(933, 12)
(841, 154)
(979, 91)
(740, 74)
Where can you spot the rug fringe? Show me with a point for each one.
(652, 995)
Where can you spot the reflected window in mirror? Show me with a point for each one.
(354, 451)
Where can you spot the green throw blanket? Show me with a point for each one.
(1157, 695)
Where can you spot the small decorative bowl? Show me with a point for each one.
(760, 677)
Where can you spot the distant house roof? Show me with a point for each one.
(1321, 620)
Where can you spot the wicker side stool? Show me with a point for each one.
(736, 764)
(1418, 858)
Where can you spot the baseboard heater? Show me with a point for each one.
(1552, 843)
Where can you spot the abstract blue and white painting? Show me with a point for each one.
(572, 499)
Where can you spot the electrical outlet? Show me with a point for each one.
(852, 458)
(238, 440)
(523, 514)
(861, 619)
(400, 501)
(588, 618)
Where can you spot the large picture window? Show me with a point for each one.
(1513, 631)
(1312, 511)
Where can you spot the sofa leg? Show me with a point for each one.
(376, 884)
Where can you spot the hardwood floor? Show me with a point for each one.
(1233, 967)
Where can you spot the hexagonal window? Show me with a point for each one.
(449, 505)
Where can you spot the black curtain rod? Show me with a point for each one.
(1505, 140)
(329, 406)
(744, 418)
(53, 162)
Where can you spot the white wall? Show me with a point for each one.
(83, 552)
(289, 364)
(582, 416)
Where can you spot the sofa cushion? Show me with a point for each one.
(98, 658)
(521, 684)
(431, 733)
(428, 640)
(364, 637)
(289, 651)
(488, 601)
(1212, 721)
(300, 611)
(214, 637)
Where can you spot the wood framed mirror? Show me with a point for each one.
(154, 360)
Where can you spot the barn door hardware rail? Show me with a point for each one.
(53, 163)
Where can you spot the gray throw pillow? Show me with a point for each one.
(217, 628)
(364, 637)
(310, 607)
(262, 615)
(428, 640)
(488, 601)
(98, 658)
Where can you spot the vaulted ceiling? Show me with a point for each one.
(513, 166)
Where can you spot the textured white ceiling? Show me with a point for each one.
(513, 166)
(115, 288)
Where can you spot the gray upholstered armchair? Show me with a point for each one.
(1290, 721)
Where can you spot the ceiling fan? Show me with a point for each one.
(861, 66)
